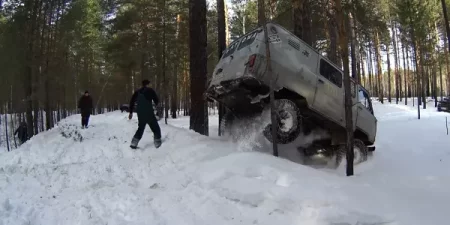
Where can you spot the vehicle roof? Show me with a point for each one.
(311, 48)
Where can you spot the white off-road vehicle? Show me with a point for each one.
(309, 91)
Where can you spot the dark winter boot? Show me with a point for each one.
(134, 143)
(157, 143)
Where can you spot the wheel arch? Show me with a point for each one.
(362, 136)
(285, 93)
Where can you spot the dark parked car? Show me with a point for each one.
(124, 108)
(444, 105)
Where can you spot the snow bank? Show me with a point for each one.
(73, 176)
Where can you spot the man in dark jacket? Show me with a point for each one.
(143, 98)
(85, 105)
(22, 133)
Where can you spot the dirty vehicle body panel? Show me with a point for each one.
(240, 81)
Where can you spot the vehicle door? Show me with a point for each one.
(366, 121)
(329, 98)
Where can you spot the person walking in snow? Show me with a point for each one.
(85, 105)
(143, 98)
(22, 133)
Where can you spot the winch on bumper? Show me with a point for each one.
(241, 95)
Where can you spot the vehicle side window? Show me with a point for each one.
(331, 73)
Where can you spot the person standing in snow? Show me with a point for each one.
(144, 97)
(85, 105)
(22, 133)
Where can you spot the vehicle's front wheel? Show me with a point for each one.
(226, 123)
(289, 122)
(360, 152)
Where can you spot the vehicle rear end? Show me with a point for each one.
(236, 79)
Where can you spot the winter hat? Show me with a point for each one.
(145, 82)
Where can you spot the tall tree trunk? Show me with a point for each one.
(297, 16)
(13, 116)
(441, 81)
(221, 42)
(261, 13)
(306, 22)
(343, 43)
(363, 75)
(198, 65)
(447, 64)
(418, 71)
(370, 68)
(6, 128)
(379, 71)
(273, 118)
(428, 83)
(358, 55)
(31, 7)
(434, 84)
(439, 64)
(186, 89)
(409, 73)
(50, 40)
(447, 26)
(301, 20)
(174, 99)
(41, 116)
(352, 38)
(389, 73)
(332, 53)
(398, 81)
(164, 59)
(144, 56)
(422, 77)
(405, 74)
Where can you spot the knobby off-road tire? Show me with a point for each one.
(360, 152)
(226, 125)
(286, 133)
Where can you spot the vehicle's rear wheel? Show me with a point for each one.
(289, 122)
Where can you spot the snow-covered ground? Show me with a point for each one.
(73, 176)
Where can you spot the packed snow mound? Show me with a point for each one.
(72, 176)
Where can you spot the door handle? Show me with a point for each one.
(321, 81)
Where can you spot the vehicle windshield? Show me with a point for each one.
(241, 42)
